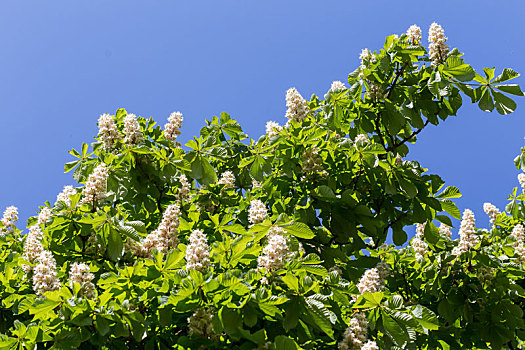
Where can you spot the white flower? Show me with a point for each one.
(485, 273)
(9, 219)
(44, 215)
(521, 179)
(437, 49)
(519, 250)
(185, 188)
(197, 252)
(467, 233)
(32, 247)
(107, 131)
(257, 212)
(337, 86)
(65, 194)
(80, 273)
(373, 280)
(256, 184)
(518, 232)
(445, 230)
(414, 34)
(366, 57)
(297, 106)
(491, 211)
(276, 251)
(355, 335)
(370, 345)
(95, 189)
(361, 140)
(165, 237)
(172, 128)
(311, 162)
(227, 179)
(132, 130)
(200, 324)
(44, 274)
(418, 243)
(273, 129)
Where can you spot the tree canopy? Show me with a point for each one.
(280, 242)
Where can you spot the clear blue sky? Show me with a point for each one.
(63, 63)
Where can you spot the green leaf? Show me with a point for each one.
(451, 208)
(407, 187)
(320, 315)
(115, 245)
(282, 342)
(444, 219)
(325, 192)
(431, 232)
(504, 105)
(425, 317)
(512, 89)
(489, 73)
(399, 236)
(485, 103)
(506, 75)
(449, 192)
(438, 86)
(300, 230)
(209, 176)
(456, 68)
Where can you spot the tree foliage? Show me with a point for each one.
(280, 242)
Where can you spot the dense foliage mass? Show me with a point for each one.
(278, 243)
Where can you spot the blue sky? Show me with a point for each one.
(63, 63)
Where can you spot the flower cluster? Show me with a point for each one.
(486, 273)
(445, 230)
(418, 243)
(257, 212)
(165, 237)
(185, 188)
(297, 106)
(491, 211)
(227, 179)
(375, 91)
(335, 87)
(311, 161)
(200, 324)
(521, 179)
(273, 129)
(414, 34)
(197, 252)
(45, 274)
(355, 335)
(467, 233)
(132, 132)
(44, 215)
(172, 128)
(9, 219)
(437, 48)
(276, 251)
(518, 232)
(95, 189)
(32, 247)
(361, 140)
(80, 273)
(65, 194)
(366, 57)
(373, 280)
(107, 131)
